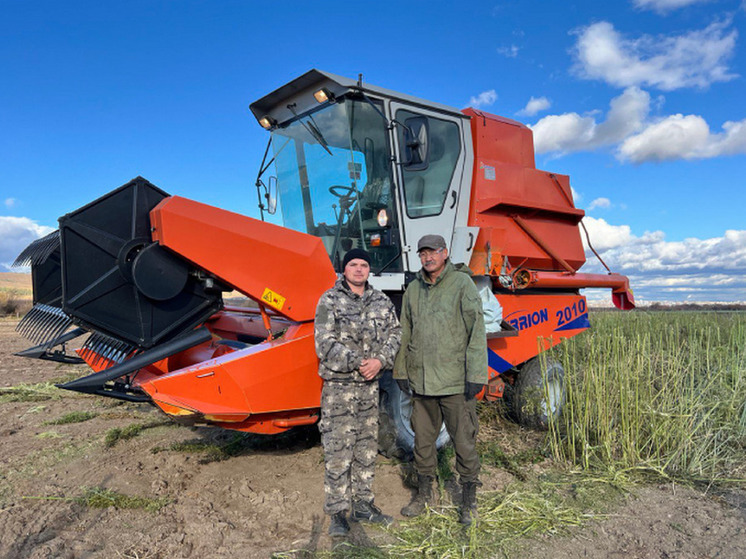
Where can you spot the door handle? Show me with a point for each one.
(453, 195)
(471, 241)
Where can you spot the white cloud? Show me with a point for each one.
(664, 6)
(563, 133)
(534, 106)
(683, 137)
(599, 203)
(693, 59)
(16, 233)
(10, 202)
(637, 138)
(572, 132)
(509, 52)
(484, 99)
(692, 269)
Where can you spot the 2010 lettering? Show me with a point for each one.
(568, 313)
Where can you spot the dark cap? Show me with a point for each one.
(431, 241)
(353, 254)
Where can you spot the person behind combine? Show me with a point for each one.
(443, 362)
(357, 336)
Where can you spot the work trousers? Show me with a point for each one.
(349, 435)
(460, 417)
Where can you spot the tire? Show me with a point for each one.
(538, 395)
(395, 433)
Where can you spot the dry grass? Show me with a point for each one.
(15, 294)
(13, 303)
(30, 392)
(100, 498)
(119, 434)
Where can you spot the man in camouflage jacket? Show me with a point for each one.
(357, 335)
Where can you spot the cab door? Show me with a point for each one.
(432, 195)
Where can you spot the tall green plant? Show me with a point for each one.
(660, 392)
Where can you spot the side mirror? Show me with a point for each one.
(416, 143)
(272, 196)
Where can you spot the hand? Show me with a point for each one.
(404, 385)
(472, 389)
(369, 368)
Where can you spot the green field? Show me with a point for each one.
(662, 393)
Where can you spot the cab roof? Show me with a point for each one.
(300, 91)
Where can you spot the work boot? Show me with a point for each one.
(423, 497)
(338, 525)
(468, 510)
(368, 512)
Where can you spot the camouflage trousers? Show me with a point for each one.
(349, 435)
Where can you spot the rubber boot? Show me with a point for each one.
(338, 525)
(468, 511)
(368, 512)
(423, 497)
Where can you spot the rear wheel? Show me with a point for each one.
(395, 433)
(538, 394)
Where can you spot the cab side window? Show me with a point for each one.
(426, 186)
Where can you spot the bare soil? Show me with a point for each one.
(263, 500)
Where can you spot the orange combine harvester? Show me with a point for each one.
(142, 272)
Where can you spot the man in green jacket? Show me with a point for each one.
(443, 362)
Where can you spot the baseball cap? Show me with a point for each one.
(431, 241)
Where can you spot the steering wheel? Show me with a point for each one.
(341, 191)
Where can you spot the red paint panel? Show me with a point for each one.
(276, 376)
(284, 269)
(506, 183)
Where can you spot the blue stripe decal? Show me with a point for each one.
(580, 322)
(496, 362)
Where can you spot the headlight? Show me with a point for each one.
(383, 218)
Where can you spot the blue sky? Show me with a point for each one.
(639, 101)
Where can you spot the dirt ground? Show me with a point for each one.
(259, 502)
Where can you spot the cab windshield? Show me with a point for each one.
(334, 181)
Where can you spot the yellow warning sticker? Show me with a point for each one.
(273, 299)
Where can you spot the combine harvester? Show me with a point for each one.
(142, 272)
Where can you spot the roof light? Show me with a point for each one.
(323, 95)
(267, 122)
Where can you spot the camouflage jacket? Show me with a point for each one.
(349, 328)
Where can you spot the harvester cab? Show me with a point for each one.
(348, 165)
(364, 167)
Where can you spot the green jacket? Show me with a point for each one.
(443, 341)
